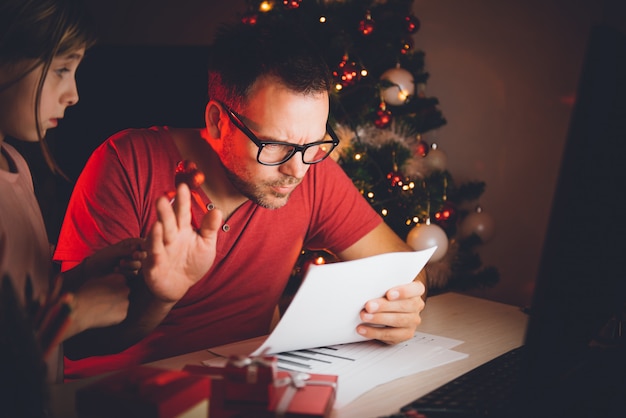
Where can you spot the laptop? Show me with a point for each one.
(573, 361)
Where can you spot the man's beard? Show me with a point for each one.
(256, 193)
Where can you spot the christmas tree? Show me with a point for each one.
(381, 112)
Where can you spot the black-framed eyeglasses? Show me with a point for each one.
(276, 152)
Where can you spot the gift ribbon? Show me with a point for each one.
(252, 364)
(294, 382)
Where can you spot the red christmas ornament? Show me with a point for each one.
(422, 148)
(412, 24)
(250, 18)
(446, 217)
(188, 172)
(347, 72)
(291, 4)
(395, 178)
(367, 26)
(383, 118)
(445, 214)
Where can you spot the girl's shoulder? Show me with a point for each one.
(18, 164)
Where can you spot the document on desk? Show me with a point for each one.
(360, 366)
(325, 310)
(363, 366)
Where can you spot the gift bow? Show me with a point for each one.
(252, 364)
(294, 382)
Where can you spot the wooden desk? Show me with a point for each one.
(487, 328)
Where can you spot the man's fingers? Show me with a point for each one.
(211, 223)
(154, 243)
(167, 219)
(407, 291)
(130, 265)
(387, 335)
(182, 205)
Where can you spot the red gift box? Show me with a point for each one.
(302, 395)
(222, 408)
(247, 379)
(142, 391)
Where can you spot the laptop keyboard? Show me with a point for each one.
(483, 391)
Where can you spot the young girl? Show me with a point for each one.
(42, 43)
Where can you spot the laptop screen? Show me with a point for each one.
(581, 280)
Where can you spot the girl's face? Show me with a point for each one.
(17, 103)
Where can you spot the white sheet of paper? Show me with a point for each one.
(360, 366)
(325, 310)
(377, 364)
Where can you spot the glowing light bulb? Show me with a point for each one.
(266, 6)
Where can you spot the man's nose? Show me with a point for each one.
(294, 167)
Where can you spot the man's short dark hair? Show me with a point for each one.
(242, 53)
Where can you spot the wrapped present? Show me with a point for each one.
(220, 407)
(143, 391)
(246, 379)
(300, 395)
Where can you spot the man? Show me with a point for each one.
(218, 263)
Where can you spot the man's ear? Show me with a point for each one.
(212, 118)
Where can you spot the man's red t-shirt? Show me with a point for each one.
(115, 197)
